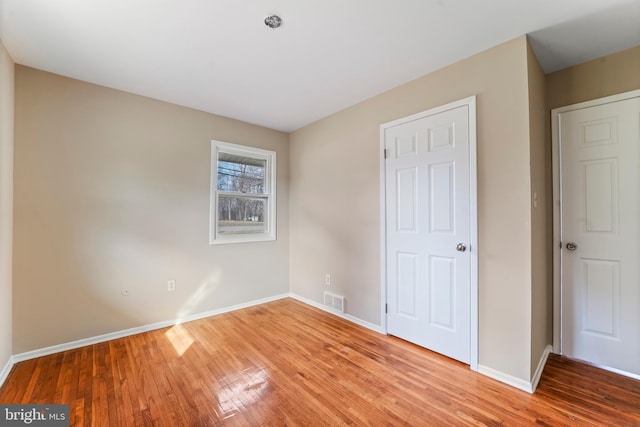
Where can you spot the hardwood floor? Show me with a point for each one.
(285, 363)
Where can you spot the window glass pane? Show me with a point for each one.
(241, 174)
(239, 215)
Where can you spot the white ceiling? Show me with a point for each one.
(218, 56)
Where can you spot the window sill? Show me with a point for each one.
(241, 238)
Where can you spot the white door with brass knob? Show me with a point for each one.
(599, 147)
(428, 213)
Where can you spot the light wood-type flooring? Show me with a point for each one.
(286, 363)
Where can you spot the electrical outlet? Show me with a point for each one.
(171, 285)
(124, 292)
(327, 279)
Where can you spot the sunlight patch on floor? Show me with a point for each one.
(179, 338)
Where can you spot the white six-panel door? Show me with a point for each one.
(428, 251)
(600, 234)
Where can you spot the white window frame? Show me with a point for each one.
(269, 195)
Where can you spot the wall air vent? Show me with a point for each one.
(334, 301)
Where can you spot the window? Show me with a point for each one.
(243, 194)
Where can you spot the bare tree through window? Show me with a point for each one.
(238, 178)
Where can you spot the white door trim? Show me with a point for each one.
(473, 211)
(555, 155)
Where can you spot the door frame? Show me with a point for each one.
(473, 213)
(557, 205)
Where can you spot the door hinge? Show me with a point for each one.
(385, 153)
(386, 308)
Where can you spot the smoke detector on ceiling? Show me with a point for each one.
(273, 21)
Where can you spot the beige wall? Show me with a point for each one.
(112, 193)
(335, 198)
(6, 202)
(541, 214)
(609, 75)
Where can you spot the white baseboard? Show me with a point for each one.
(7, 368)
(350, 318)
(516, 382)
(519, 383)
(139, 329)
(538, 373)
